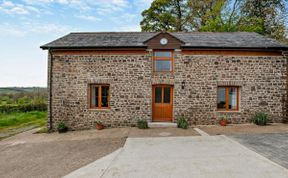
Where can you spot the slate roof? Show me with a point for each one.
(190, 39)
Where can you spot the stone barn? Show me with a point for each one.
(120, 77)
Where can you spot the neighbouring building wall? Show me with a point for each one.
(262, 82)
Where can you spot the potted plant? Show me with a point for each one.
(99, 125)
(62, 128)
(223, 121)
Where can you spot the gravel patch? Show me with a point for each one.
(244, 129)
(55, 155)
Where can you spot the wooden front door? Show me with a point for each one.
(162, 103)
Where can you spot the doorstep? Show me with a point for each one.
(161, 124)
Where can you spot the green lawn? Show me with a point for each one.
(13, 123)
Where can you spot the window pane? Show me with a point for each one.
(94, 97)
(221, 98)
(232, 98)
(158, 95)
(163, 65)
(163, 54)
(167, 95)
(104, 94)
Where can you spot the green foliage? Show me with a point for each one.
(23, 108)
(22, 95)
(15, 90)
(271, 16)
(9, 121)
(260, 118)
(23, 99)
(42, 130)
(142, 124)
(182, 123)
(61, 127)
(98, 122)
(266, 17)
(165, 15)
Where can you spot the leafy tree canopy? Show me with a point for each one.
(267, 17)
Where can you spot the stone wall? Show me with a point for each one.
(130, 89)
(262, 82)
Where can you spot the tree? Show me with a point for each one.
(270, 16)
(205, 13)
(165, 15)
(266, 17)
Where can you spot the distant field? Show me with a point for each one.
(22, 109)
(16, 90)
(13, 123)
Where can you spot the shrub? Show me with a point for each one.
(142, 124)
(8, 108)
(98, 122)
(182, 123)
(260, 118)
(62, 128)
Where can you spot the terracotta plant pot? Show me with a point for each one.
(99, 126)
(223, 122)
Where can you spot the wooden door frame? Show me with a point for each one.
(171, 99)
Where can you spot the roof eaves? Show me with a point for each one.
(89, 47)
(227, 47)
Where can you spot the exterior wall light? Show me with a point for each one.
(183, 84)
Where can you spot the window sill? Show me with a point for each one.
(221, 111)
(98, 109)
(159, 72)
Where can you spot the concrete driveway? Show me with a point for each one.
(197, 157)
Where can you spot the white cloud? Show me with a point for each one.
(7, 4)
(10, 30)
(128, 28)
(88, 17)
(63, 1)
(145, 2)
(26, 28)
(101, 6)
(46, 28)
(34, 2)
(107, 6)
(142, 4)
(32, 9)
(126, 18)
(18, 9)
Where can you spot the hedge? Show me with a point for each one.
(23, 108)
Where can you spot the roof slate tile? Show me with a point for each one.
(191, 39)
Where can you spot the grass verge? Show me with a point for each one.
(16, 122)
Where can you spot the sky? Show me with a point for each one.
(27, 24)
